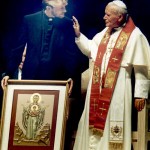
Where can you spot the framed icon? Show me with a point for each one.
(34, 115)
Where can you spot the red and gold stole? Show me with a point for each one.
(100, 102)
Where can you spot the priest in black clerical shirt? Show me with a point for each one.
(51, 52)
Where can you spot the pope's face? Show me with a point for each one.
(111, 17)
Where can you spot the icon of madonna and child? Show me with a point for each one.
(32, 130)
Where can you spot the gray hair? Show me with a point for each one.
(119, 7)
(53, 3)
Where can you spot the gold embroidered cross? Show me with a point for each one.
(102, 109)
(114, 58)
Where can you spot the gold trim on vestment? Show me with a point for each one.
(115, 146)
(106, 37)
(110, 77)
(96, 72)
(96, 131)
(122, 40)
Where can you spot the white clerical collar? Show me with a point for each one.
(50, 19)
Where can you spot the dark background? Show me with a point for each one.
(89, 13)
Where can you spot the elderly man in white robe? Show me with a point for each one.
(118, 49)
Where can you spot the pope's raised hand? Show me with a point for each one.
(76, 26)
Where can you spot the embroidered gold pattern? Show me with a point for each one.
(122, 40)
(106, 37)
(96, 131)
(115, 146)
(96, 74)
(110, 78)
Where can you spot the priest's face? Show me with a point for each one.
(112, 17)
(56, 8)
(59, 10)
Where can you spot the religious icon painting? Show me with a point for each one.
(34, 115)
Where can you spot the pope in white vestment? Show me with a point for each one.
(137, 57)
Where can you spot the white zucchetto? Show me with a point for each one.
(120, 4)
